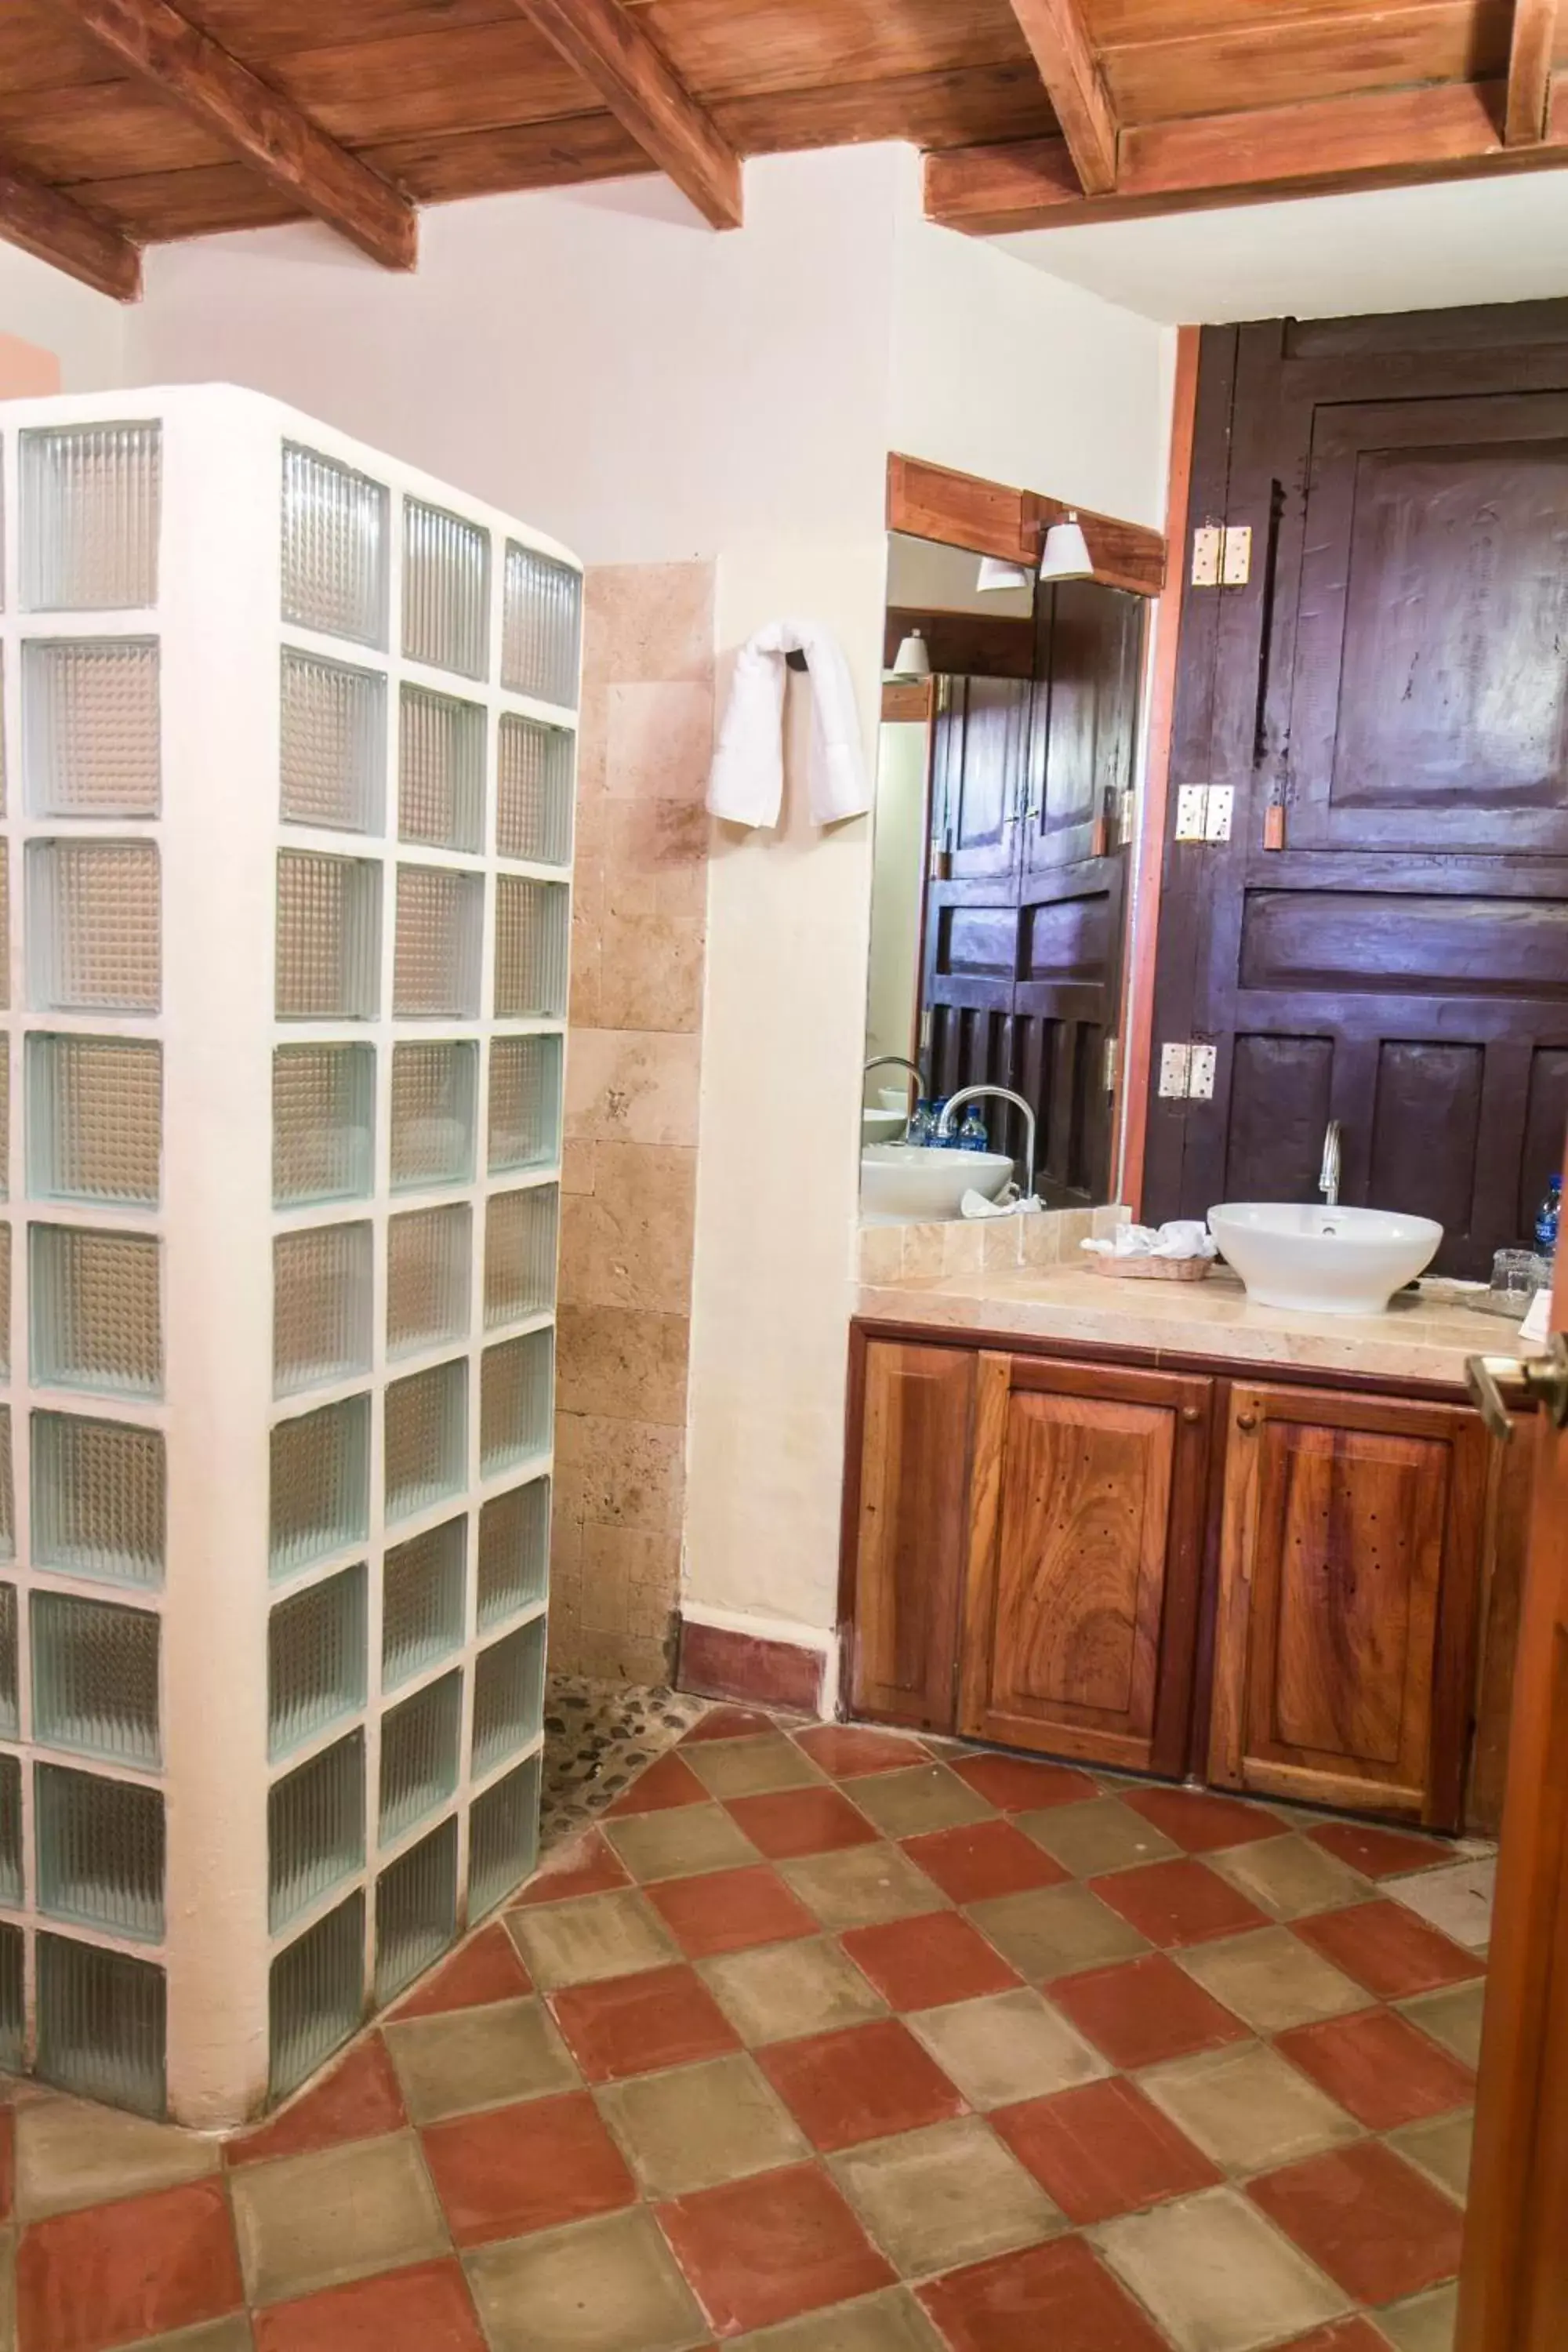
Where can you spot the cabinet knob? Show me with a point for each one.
(1246, 1421)
(1190, 1414)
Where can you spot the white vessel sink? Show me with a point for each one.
(882, 1126)
(918, 1182)
(1324, 1261)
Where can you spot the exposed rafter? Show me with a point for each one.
(642, 89)
(1060, 43)
(262, 128)
(56, 229)
(1530, 71)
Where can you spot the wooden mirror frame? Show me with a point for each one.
(927, 501)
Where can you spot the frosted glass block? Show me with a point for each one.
(445, 589)
(515, 1381)
(97, 1320)
(89, 727)
(320, 1485)
(90, 500)
(426, 1439)
(10, 1714)
(99, 1852)
(315, 1829)
(441, 770)
(533, 933)
(422, 1608)
(101, 2024)
(4, 924)
(434, 1088)
(323, 1123)
(420, 1755)
(509, 1696)
(10, 1831)
(520, 1253)
(534, 789)
(440, 931)
(333, 744)
(316, 1660)
(514, 1552)
(504, 1837)
(12, 2000)
(315, 1996)
(94, 1119)
(94, 926)
(95, 1678)
(336, 537)
(415, 1910)
(428, 1255)
(4, 1302)
(98, 1499)
(7, 1490)
(321, 1306)
(5, 1118)
(541, 625)
(525, 1103)
(329, 937)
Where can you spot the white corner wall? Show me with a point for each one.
(87, 332)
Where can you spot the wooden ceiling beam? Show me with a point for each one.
(1060, 43)
(648, 98)
(268, 134)
(55, 228)
(1530, 48)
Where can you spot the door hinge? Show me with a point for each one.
(1204, 812)
(1222, 555)
(1112, 1064)
(1187, 1071)
(1126, 817)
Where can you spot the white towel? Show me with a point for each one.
(745, 784)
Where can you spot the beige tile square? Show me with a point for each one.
(862, 1885)
(1452, 2016)
(631, 1367)
(879, 1252)
(1458, 1901)
(1289, 1876)
(925, 1797)
(309, 2221)
(71, 2153)
(962, 1247)
(920, 1257)
(1097, 1836)
(1440, 2148)
(1046, 1239)
(595, 1936)
(1001, 1243)
(679, 1843)
(650, 969)
(658, 739)
(1056, 1930)
(479, 2058)
(598, 2287)
(1272, 1980)
(647, 621)
(696, 2125)
(656, 856)
(632, 1086)
(1427, 2322)
(1006, 2047)
(631, 1579)
(750, 1767)
(782, 1991)
(1216, 2275)
(893, 2322)
(1247, 2107)
(629, 1242)
(230, 2335)
(950, 2194)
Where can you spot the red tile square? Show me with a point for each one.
(511, 2169)
(1102, 2149)
(588, 1866)
(861, 2084)
(1200, 1823)
(1376, 1852)
(848, 1751)
(668, 1781)
(917, 1963)
(1142, 2011)
(488, 1967)
(727, 1910)
(760, 2251)
(1365, 2217)
(427, 2308)
(1013, 1784)
(1386, 1948)
(982, 1858)
(358, 2100)
(790, 1822)
(728, 1723)
(1057, 2296)
(1380, 2067)
(631, 2025)
(1174, 1903)
(112, 2273)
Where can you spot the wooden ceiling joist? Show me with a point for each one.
(1533, 40)
(268, 134)
(1060, 43)
(55, 228)
(648, 98)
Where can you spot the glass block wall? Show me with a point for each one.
(285, 849)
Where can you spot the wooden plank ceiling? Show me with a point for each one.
(124, 121)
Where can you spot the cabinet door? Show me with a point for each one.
(1349, 1565)
(1086, 1543)
(908, 1532)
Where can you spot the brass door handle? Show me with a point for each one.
(1543, 1381)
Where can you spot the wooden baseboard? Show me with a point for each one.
(717, 1663)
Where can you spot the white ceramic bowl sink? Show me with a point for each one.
(882, 1126)
(916, 1182)
(1324, 1261)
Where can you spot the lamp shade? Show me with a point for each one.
(913, 660)
(1065, 555)
(994, 576)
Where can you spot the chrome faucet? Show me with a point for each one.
(1329, 1175)
(898, 1061)
(1003, 1093)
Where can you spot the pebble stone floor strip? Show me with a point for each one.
(820, 2039)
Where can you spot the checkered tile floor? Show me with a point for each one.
(829, 2040)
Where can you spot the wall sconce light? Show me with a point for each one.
(1065, 555)
(912, 660)
(995, 575)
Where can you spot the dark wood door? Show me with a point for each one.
(1384, 940)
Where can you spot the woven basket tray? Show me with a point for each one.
(1150, 1269)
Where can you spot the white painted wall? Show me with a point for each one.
(86, 332)
(898, 888)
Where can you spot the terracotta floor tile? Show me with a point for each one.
(230, 2335)
(1055, 1931)
(139, 2267)
(846, 1750)
(1177, 1903)
(694, 2127)
(1291, 1876)
(762, 2250)
(1340, 2336)
(925, 1797)
(946, 2195)
(1101, 1835)
(1273, 1980)
(727, 1723)
(1102, 2149)
(728, 1910)
(7, 2163)
(1380, 2067)
(1144, 2010)
(1375, 2227)
(1006, 2047)
(982, 1858)
(304, 2223)
(631, 2025)
(597, 2286)
(1425, 2323)
(482, 2057)
(1014, 1784)
(427, 2308)
(357, 2100)
(1388, 1950)
(1378, 1853)
(862, 1884)
(916, 1963)
(681, 1843)
(1057, 2295)
(594, 1936)
(532, 2167)
(890, 2322)
(1216, 2275)
(1453, 2015)
(752, 1768)
(585, 1866)
(665, 1783)
(71, 2152)
(860, 2083)
(1441, 2149)
(1247, 2107)
(792, 1822)
(487, 1969)
(1199, 1824)
(777, 1993)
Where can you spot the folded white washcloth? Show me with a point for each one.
(745, 784)
(975, 1204)
(1180, 1237)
